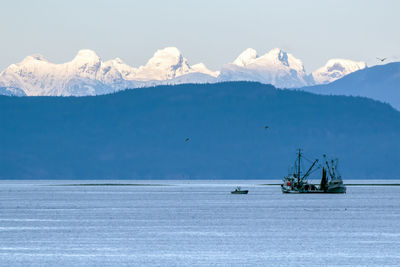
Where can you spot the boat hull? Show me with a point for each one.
(242, 192)
(285, 191)
(335, 190)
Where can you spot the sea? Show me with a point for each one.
(196, 223)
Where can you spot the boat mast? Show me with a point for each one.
(298, 167)
(328, 167)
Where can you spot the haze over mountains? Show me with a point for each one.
(141, 134)
(87, 74)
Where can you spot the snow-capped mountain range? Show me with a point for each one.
(276, 67)
(87, 74)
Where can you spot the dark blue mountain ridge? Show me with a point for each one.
(142, 133)
(380, 82)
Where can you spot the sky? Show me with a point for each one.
(214, 32)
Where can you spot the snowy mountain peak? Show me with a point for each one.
(345, 64)
(276, 67)
(86, 55)
(171, 50)
(165, 64)
(118, 61)
(277, 52)
(200, 65)
(169, 56)
(336, 68)
(86, 64)
(280, 55)
(246, 57)
(279, 59)
(34, 57)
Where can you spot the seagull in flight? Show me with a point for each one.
(381, 59)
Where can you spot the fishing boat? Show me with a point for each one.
(238, 190)
(296, 182)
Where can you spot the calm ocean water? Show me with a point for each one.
(196, 223)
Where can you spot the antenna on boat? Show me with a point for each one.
(333, 167)
(336, 168)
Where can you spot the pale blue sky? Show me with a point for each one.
(211, 31)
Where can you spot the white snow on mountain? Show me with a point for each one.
(201, 68)
(11, 91)
(87, 74)
(246, 57)
(276, 67)
(193, 77)
(165, 64)
(335, 69)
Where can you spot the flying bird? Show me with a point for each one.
(381, 59)
(266, 127)
(187, 140)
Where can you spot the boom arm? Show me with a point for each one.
(309, 170)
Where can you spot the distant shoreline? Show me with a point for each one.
(274, 184)
(185, 182)
(110, 184)
(352, 184)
